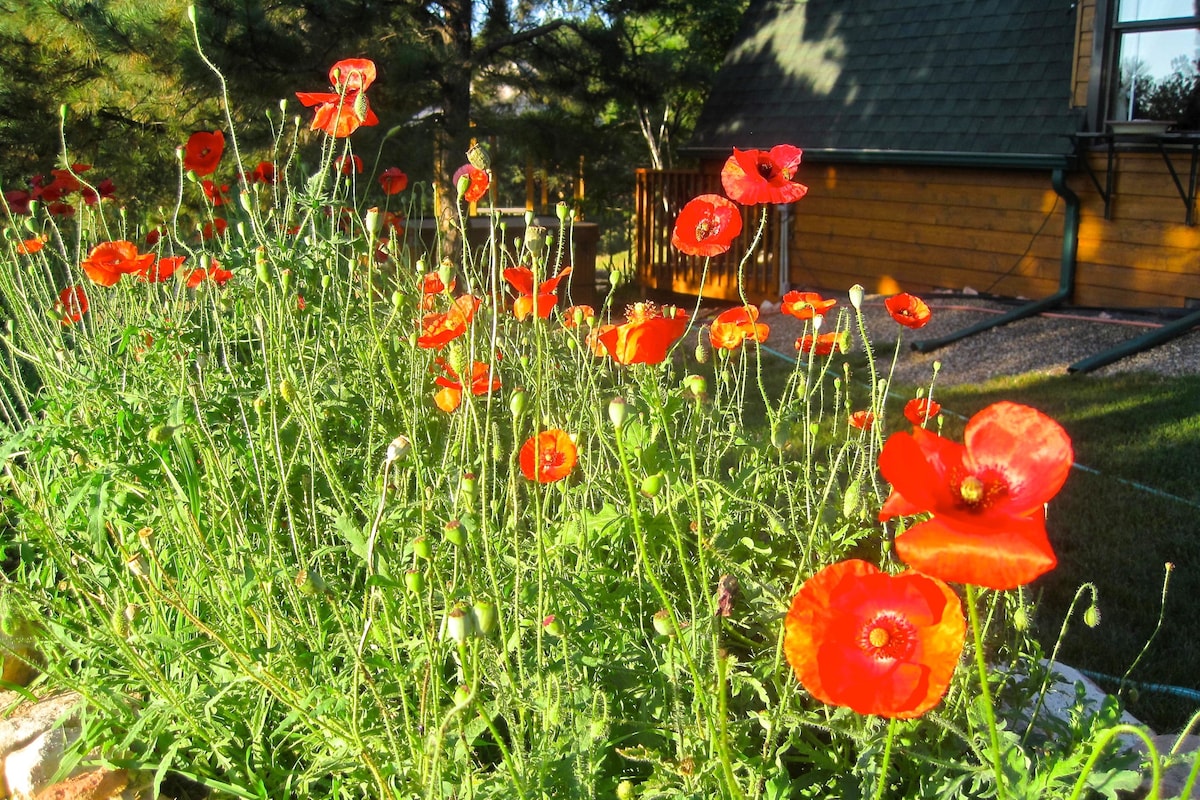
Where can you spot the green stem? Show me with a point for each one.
(988, 705)
(886, 760)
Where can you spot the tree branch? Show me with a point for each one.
(485, 52)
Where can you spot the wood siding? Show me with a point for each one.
(1085, 31)
(997, 231)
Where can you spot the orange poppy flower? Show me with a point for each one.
(264, 172)
(736, 325)
(823, 345)
(547, 457)
(348, 164)
(479, 182)
(521, 279)
(393, 180)
(920, 410)
(203, 151)
(863, 420)
(31, 246)
(108, 261)
(449, 397)
(876, 643)
(751, 177)
(161, 270)
(578, 315)
(214, 273)
(438, 329)
(987, 496)
(645, 337)
(707, 226)
(72, 303)
(909, 310)
(346, 109)
(805, 305)
(215, 228)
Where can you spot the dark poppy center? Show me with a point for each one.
(766, 169)
(706, 227)
(888, 636)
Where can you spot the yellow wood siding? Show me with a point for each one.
(1084, 37)
(998, 231)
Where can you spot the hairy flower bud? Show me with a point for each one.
(856, 296)
(478, 157)
(618, 412)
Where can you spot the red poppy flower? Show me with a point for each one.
(987, 496)
(863, 420)
(161, 270)
(735, 325)
(521, 279)
(876, 643)
(707, 226)
(823, 345)
(214, 273)
(31, 246)
(479, 182)
(547, 457)
(805, 305)
(909, 310)
(438, 329)
(393, 180)
(215, 228)
(920, 410)
(578, 315)
(263, 172)
(203, 151)
(17, 201)
(763, 176)
(352, 74)
(645, 337)
(348, 164)
(216, 194)
(60, 209)
(104, 191)
(449, 397)
(72, 303)
(107, 262)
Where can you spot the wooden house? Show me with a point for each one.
(981, 145)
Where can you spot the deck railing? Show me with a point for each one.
(660, 196)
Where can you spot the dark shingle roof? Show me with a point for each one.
(900, 77)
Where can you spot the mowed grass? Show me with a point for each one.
(1131, 506)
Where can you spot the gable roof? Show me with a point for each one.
(940, 81)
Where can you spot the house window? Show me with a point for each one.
(1157, 73)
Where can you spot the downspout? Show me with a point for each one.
(785, 269)
(1066, 275)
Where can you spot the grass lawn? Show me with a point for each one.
(1132, 506)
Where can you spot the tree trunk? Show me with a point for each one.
(450, 136)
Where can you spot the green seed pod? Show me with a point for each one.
(469, 488)
(309, 582)
(261, 267)
(652, 484)
(454, 533)
(457, 625)
(414, 581)
(326, 281)
(856, 296)
(423, 548)
(518, 401)
(397, 299)
(485, 616)
(562, 211)
(553, 626)
(478, 157)
(626, 790)
(464, 183)
(662, 623)
(285, 281)
(462, 696)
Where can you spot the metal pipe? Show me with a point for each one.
(1066, 275)
(1136, 345)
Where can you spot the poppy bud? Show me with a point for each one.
(485, 616)
(662, 623)
(626, 790)
(462, 696)
(528, 218)
(260, 266)
(285, 281)
(287, 390)
(850, 499)
(652, 484)
(517, 402)
(445, 273)
(454, 533)
(458, 358)
(618, 411)
(478, 157)
(535, 239)
(701, 353)
(244, 202)
(457, 625)
(469, 488)
(1091, 617)
(553, 626)
(816, 322)
(464, 183)
(371, 221)
(397, 299)
(856, 296)
(397, 449)
(161, 434)
(1020, 618)
(414, 581)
